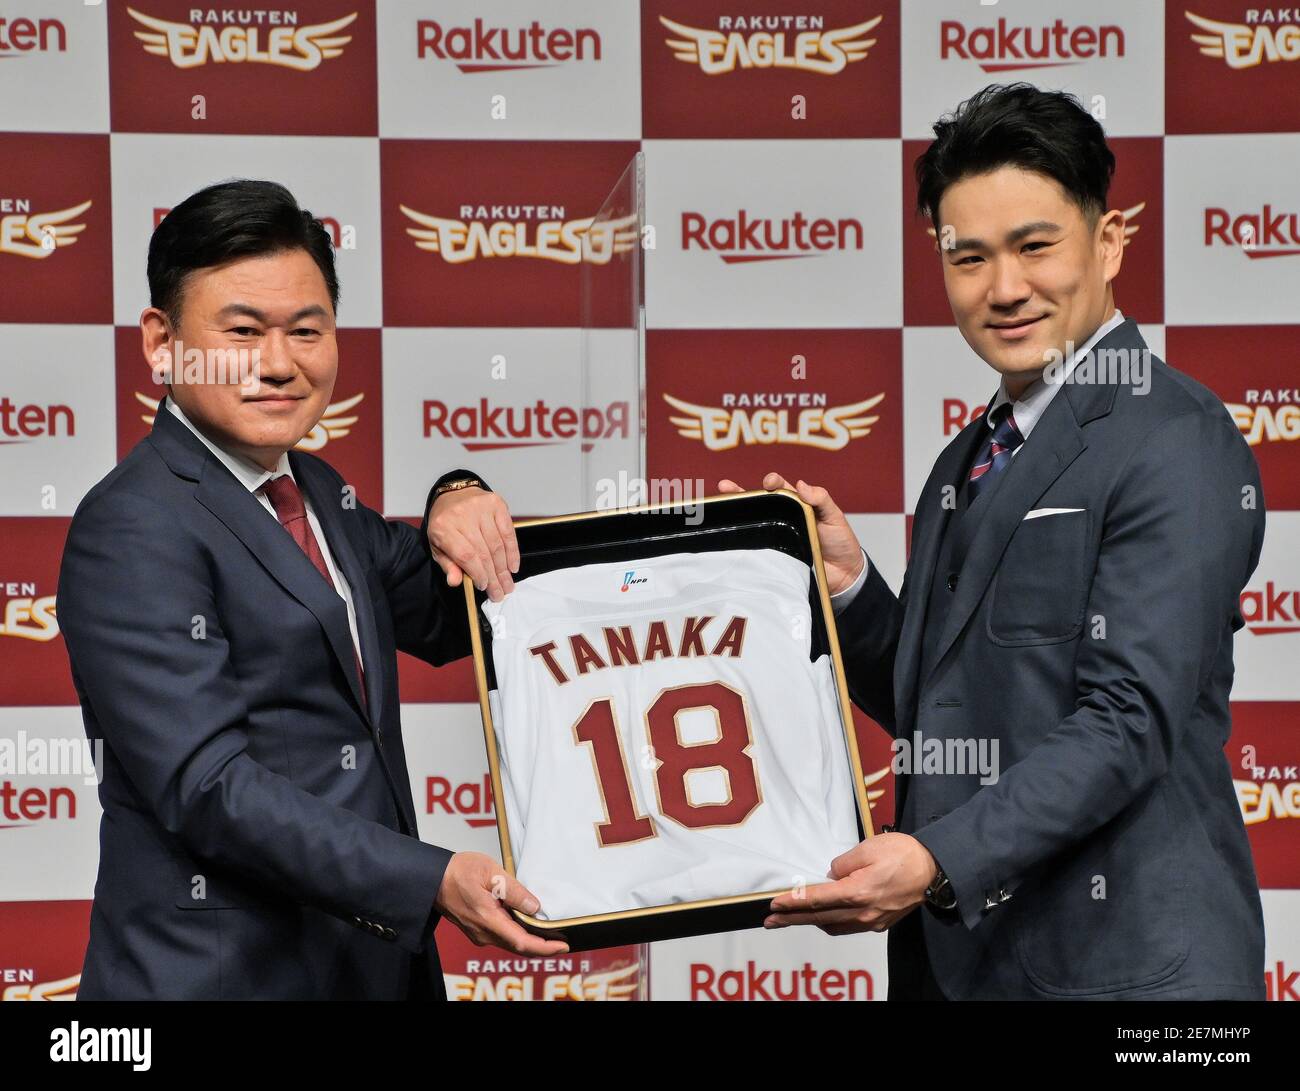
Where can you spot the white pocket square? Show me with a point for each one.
(1038, 513)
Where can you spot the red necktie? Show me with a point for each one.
(287, 501)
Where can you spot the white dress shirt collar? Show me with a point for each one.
(247, 473)
(1030, 406)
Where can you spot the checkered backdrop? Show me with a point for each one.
(454, 148)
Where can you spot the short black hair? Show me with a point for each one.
(1018, 125)
(237, 219)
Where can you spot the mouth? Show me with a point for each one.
(1014, 331)
(275, 399)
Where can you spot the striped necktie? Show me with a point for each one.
(995, 455)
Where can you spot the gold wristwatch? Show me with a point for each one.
(457, 485)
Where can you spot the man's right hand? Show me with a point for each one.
(474, 895)
(841, 552)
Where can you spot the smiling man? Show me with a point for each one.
(1069, 604)
(233, 614)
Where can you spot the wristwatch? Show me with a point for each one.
(457, 485)
(940, 893)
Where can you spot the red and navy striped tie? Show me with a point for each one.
(995, 456)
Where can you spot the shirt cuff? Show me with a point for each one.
(841, 600)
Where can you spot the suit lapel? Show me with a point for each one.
(271, 546)
(934, 511)
(1056, 441)
(327, 508)
(281, 556)
(982, 535)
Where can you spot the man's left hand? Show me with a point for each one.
(470, 532)
(876, 884)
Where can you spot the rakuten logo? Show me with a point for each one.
(1263, 234)
(806, 983)
(20, 423)
(480, 48)
(1003, 48)
(485, 427)
(1280, 984)
(22, 806)
(1271, 611)
(956, 414)
(745, 238)
(27, 36)
(470, 800)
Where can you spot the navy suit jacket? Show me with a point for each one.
(1109, 859)
(258, 837)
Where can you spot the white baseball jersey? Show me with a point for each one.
(663, 735)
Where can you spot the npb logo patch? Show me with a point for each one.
(631, 579)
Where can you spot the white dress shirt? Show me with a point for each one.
(1027, 409)
(253, 477)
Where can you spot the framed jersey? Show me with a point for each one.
(666, 722)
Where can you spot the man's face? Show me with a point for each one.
(1024, 270)
(277, 304)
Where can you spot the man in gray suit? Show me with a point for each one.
(1069, 607)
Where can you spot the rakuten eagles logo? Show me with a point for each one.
(804, 420)
(39, 235)
(26, 613)
(1267, 35)
(1268, 416)
(243, 36)
(542, 979)
(521, 231)
(770, 41)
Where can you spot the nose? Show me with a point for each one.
(1009, 289)
(276, 363)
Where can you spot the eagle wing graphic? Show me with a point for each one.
(851, 417)
(691, 425)
(850, 39)
(49, 230)
(332, 424)
(319, 36)
(687, 47)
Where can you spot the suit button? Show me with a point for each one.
(952, 581)
(389, 934)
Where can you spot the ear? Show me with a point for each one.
(158, 343)
(1110, 242)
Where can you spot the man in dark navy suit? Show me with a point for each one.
(1069, 607)
(233, 615)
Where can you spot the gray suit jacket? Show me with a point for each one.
(1109, 858)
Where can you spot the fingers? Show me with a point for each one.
(837, 895)
(492, 559)
(463, 554)
(775, 481)
(504, 930)
(507, 933)
(820, 917)
(518, 896)
(506, 528)
(820, 501)
(858, 857)
(771, 483)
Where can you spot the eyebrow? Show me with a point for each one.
(230, 310)
(1012, 236)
